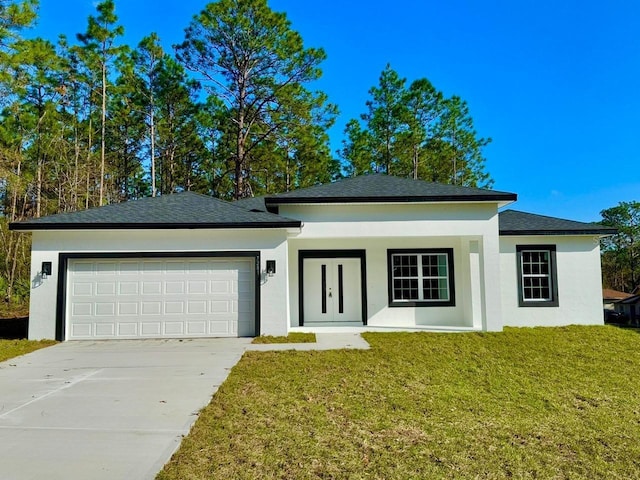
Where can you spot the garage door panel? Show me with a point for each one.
(220, 286)
(105, 329)
(198, 307)
(83, 268)
(160, 298)
(151, 287)
(106, 268)
(129, 268)
(176, 267)
(173, 308)
(197, 287)
(128, 288)
(81, 330)
(127, 308)
(82, 289)
(173, 328)
(127, 329)
(151, 267)
(106, 288)
(105, 309)
(151, 329)
(196, 328)
(174, 287)
(151, 308)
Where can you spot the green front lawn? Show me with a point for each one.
(525, 403)
(14, 348)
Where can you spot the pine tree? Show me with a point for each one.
(257, 65)
(99, 53)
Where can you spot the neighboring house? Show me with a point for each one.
(610, 297)
(630, 308)
(374, 252)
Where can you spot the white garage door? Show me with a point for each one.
(160, 298)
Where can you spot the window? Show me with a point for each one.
(537, 277)
(421, 277)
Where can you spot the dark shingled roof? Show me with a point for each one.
(180, 210)
(634, 299)
(386, 188)
(252, 203)
(513, 222)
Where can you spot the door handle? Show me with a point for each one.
(330, 296)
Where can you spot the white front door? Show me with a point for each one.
(332, 290)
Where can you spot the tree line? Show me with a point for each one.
(621, 252)
(229, 112)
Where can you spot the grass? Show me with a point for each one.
(15, 348)
(13, 311)
(294, 337)
(526, 403)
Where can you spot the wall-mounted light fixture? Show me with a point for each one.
(46, 269)
(271, 267)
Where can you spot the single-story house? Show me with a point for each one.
(610, 297)
(371, 252)
(630, 308)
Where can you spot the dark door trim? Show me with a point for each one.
(360, 254)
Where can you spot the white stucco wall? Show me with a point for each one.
(470, 229)
(47, 245)
(579, 282)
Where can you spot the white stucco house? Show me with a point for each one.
(373, 252)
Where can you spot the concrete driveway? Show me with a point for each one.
(105, 410)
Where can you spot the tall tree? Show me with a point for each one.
(149, 58)
(14, 125)
(40, 69)
(415, 132)
(422, 110)
(14, 16)
(179, 147)
(100, 51)
(467, 161)
(126, 130)
(621, 252)
(384, 119)
(253, 61)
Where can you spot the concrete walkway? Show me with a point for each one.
(114, 409)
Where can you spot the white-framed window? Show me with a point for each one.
(421, 277)
(537, 277)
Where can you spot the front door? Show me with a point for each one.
(332, 290)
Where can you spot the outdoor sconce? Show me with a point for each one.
(46, 269)
(271, 267)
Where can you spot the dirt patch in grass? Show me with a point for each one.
(524, 403)
(295, 337)
(15, 348)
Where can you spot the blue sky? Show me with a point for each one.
(555, 84)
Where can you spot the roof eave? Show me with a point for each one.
(26, 227)
(511, 197)
(599, 232)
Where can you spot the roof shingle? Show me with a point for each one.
(386, 188)
(513, 222)
(179, 210)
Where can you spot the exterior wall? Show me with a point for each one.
(401, 220)
(470, 229)
(579, 282)
(47, 245)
